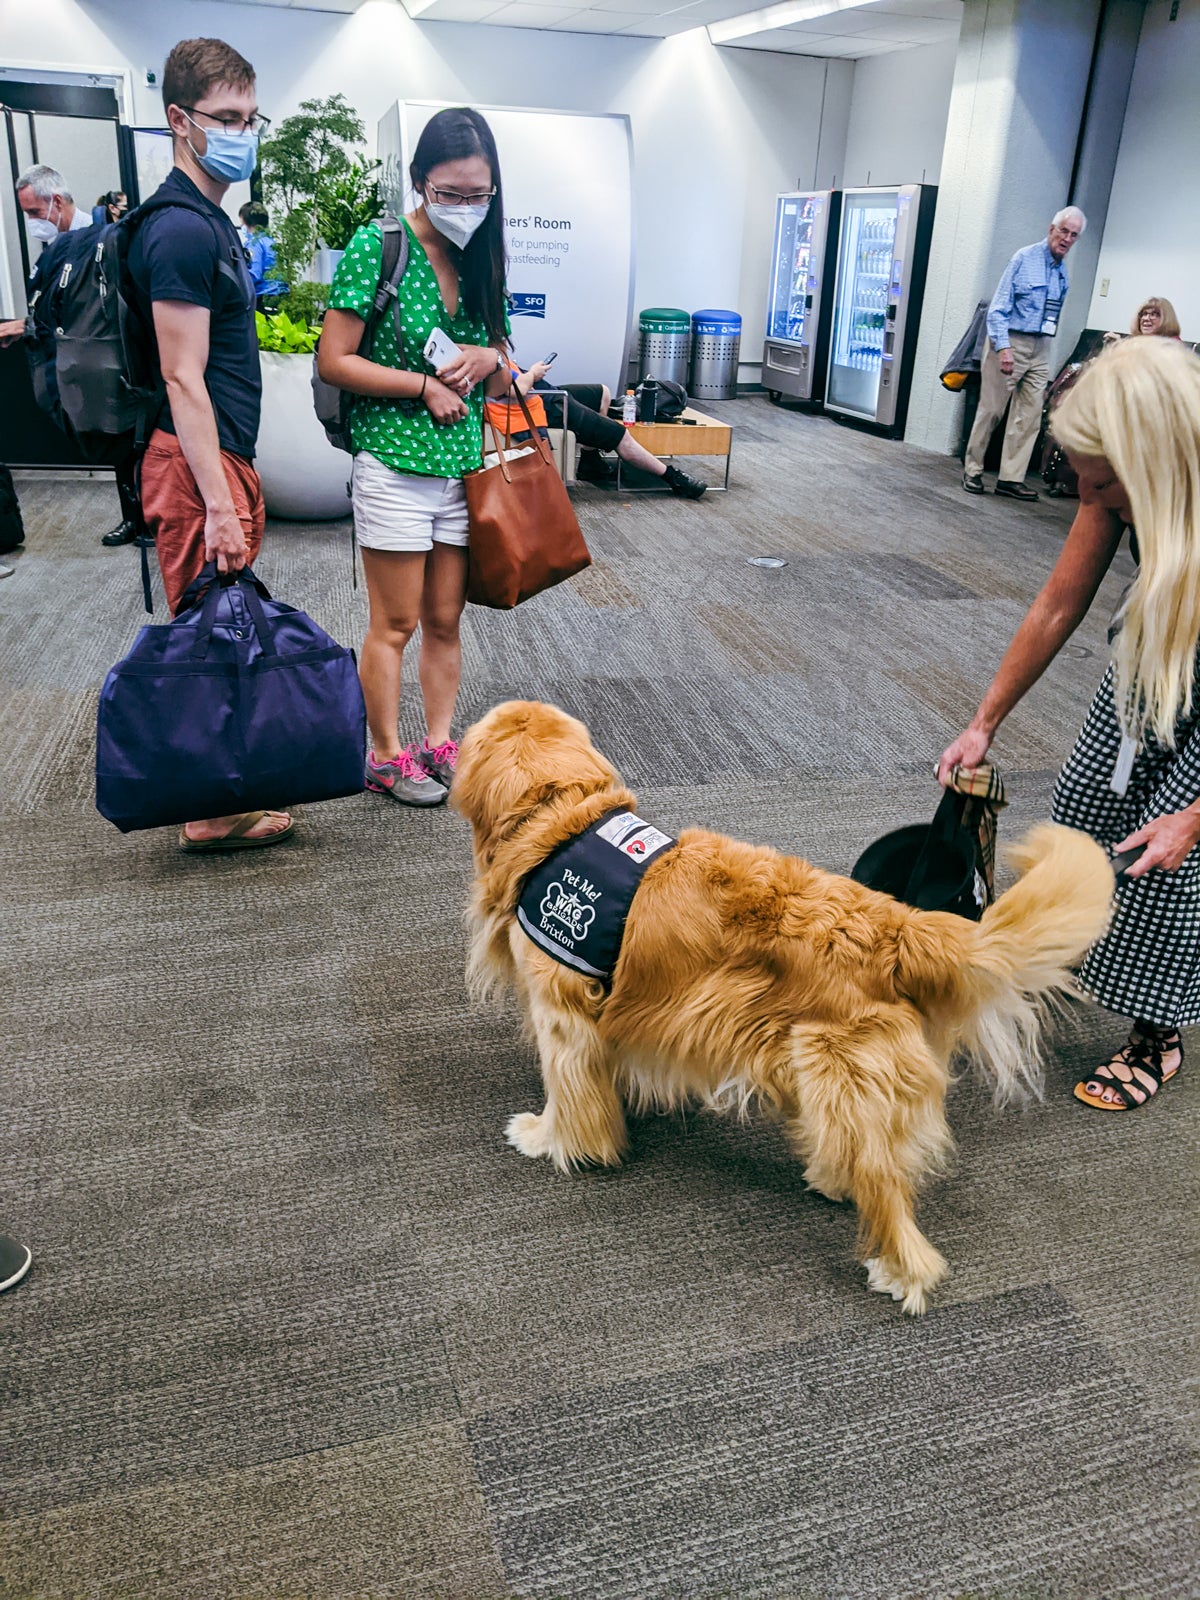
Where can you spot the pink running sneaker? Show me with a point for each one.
(403, 778)
(439, 761)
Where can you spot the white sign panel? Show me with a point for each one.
(568, 212)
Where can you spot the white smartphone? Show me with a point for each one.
(440, 350)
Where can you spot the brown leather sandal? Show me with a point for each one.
(1143, 1056)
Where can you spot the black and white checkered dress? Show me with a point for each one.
(1148, 964)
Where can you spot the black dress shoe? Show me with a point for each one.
(973, 483)
(1015, 491)
(683, 484)
(125, 534)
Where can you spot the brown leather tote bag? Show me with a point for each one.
(524, 536)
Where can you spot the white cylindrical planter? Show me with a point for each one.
(304, 479)
(324, 265)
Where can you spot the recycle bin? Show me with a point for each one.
(716, 337)
(664, 344)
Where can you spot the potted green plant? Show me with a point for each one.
(319, 188)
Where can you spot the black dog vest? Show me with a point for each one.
(575, 904)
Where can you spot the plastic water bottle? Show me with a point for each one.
(629, 408)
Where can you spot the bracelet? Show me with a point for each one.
(421, 390)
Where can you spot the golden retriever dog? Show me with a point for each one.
(750, 977)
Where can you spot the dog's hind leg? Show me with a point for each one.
(583, 1123)
(869, 1124)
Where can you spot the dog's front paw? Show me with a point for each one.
(527, 1133)
(913, 1295)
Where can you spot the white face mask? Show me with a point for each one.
(457, 223)
(42, 228)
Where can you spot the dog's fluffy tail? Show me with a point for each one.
(991, 994)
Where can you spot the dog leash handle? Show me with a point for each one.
(1127, 858)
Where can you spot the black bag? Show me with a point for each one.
(672, 400)
(935, 866)
(12, 529)
(967, 356)
(90, 344)
(333, 405)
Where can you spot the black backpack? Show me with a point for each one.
(672, 400)
(332, 405)
(88, 341)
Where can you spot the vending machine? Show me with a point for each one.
(798, 299)
(883, 253)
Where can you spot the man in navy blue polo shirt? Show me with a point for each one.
(1022, 320)
(200, 493)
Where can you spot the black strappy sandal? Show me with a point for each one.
(1143, 1055)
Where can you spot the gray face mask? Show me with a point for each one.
(457, 223)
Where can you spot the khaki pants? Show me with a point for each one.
(1030, 375)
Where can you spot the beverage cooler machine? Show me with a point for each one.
(799, 299)
(883, 252)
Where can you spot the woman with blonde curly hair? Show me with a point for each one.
(1131, 429)
(1156, 316)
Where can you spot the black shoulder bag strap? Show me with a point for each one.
(391, 271)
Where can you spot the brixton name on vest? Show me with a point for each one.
(574, 905)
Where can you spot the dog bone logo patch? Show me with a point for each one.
(633, 837)
(563, 905)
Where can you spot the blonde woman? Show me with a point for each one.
(1131, 429)
(1156, 316)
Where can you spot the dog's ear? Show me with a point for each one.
(517, 758)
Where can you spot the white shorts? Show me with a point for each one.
(405, 510)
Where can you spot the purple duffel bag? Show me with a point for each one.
(240, 704)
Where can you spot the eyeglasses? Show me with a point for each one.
(451, 197)
(234, 124)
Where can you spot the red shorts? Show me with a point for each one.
(175, 512)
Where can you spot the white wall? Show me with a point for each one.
(1151, 241)
(898, 115)
(716, 133)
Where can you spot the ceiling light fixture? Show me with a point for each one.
(777, 16)
(415, 7)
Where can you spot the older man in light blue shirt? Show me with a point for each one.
(1022, 320)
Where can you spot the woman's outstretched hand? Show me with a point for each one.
(967, 751)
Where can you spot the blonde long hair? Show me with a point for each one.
(1138, 406)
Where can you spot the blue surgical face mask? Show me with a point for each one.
(228, 157)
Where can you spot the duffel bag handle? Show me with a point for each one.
(253, 591)
(194, 592)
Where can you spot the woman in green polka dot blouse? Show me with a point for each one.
(416, 431)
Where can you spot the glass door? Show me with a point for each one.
(861, 299)
(794, 218)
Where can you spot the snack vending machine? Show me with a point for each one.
(883, 253)
(799, 299)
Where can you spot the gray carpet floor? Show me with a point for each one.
(301, 1324)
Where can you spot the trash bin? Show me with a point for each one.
(716, 336)
(664, 343)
